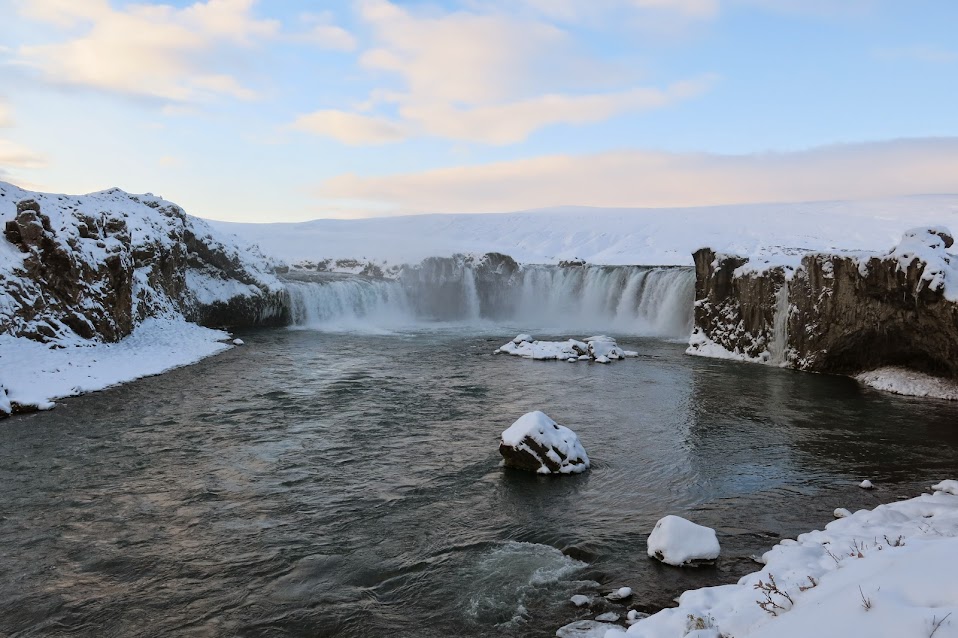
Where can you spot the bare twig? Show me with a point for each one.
(936, 624)
(866, 602)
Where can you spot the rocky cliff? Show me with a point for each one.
(93, 267)
(840, 313)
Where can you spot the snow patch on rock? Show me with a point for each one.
(678, 541)
(601, 349)
(537, 443)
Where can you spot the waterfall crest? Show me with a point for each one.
(638, 300)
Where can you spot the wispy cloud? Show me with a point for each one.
(485, 77)
(644, 178)
(145, 50)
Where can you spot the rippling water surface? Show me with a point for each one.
(316, 484)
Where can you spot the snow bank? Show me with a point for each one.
(677, 541)
(35, 374)
(882, 573)
(537, 443)
(910, 383)
(601, 349)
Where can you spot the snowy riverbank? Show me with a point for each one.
(36, 374)
(887, 572)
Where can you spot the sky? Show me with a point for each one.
(288, 110)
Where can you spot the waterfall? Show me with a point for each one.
(471, 294)
(779, 343)
(629, 299)
(637, 300)
(348, 303)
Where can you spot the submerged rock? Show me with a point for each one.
(585, 629)
(536, 443)
(680, 542)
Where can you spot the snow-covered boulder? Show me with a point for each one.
(538, 444)
(601, 349)
(677, 541)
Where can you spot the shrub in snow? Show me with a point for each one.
(538, 444)
(677, 541)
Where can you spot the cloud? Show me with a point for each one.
(324, 34)
(919, 53)
(487, 77)
(6, 115)
(633, 178)
(145, 50)
(352, 128)
(13, 155)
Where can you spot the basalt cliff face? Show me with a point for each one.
(837, 313)
(93, 267)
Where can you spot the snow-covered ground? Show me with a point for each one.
(910, 383)
(36, 374)
(882, 573)
(608, 236)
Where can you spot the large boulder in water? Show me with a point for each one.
(538, 444)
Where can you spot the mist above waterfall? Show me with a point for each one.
(636, 300)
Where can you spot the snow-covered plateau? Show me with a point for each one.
(648, 236)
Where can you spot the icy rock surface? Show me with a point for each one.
(538, 444)
(677, 541)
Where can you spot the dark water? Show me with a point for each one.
(315, 484)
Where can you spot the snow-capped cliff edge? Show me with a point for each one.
(846, 313)
(85, 271)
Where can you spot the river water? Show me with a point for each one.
(338, 484)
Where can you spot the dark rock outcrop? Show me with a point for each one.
(836, 313)
(94, 267)
(447, 287)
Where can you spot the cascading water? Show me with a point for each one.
(639, 300)
(349, 303)
(779, 341)
(630, 299)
